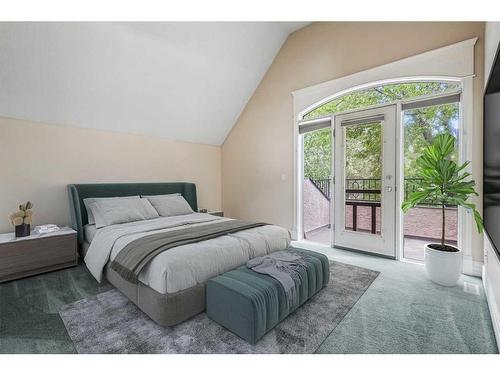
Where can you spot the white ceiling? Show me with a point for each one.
(187, 81)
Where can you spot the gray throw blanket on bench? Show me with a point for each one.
(137, 254)
(283, 266)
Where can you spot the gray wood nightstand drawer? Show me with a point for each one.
(32, 256)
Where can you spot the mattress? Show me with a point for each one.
(184, 267)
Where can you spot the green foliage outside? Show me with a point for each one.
(363, 150)
(317, 154)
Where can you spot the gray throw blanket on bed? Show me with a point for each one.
(137, 254)
(283, 266)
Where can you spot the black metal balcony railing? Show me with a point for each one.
(357, 189)
(323, 185)
(366, 192)
(367, 189)
(363, 189)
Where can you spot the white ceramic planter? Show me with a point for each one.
(444, 268)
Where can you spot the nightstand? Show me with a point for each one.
(27, 256)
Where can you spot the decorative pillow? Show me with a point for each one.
(118, 211)
(170, 204)
(88, 201)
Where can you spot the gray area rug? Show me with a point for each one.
(110, 323)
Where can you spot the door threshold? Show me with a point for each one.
(412, 261)
(313, 243)
(365, 252)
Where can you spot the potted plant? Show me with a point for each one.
(21, 219)
(445, 183)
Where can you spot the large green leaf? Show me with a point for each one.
(444, 144)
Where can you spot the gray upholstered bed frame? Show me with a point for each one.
(165, 309)
(78, 192)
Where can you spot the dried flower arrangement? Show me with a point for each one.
(23, 216)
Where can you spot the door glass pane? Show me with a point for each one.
(363, 177)
(422, 224)
(317, 191)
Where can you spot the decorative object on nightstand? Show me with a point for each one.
(37, 253)
(22, 219)
(207, 211)
(47, 228)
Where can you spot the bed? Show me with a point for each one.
(170, 287)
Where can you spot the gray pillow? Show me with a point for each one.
(88, 201)
(118, 211)
(170, 204)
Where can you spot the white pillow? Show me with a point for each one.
(170, 204)
(88, 201)
(117, 211)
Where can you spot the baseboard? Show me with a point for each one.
(492, 306)
(472, 267)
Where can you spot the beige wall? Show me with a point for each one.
(257, 156)
(491, 40)
(37, 161)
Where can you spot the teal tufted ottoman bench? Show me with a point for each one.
(250, 304)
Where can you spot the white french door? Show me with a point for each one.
(364, 204)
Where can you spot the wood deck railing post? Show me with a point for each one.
(374, 219)
(355, 217)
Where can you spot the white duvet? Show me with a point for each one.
(184, 266)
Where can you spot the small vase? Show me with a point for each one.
(22, 230)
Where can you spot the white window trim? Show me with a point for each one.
(453, 63)
(433, 99)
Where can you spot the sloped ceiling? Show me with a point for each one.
(187, 81)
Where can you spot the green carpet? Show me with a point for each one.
(29, 318)
(402, 312)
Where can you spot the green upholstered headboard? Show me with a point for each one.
(78, 192)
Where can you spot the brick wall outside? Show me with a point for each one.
(426, 222)
(418, 222)
(364, 218)
(316, 208)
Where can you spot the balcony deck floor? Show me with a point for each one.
(413, 246)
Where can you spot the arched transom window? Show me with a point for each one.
(379, 95)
